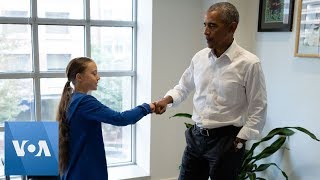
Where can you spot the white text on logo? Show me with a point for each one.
(42, 144)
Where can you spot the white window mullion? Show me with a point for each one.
(37, 98)
(35, 53)
(87, 30)
(134, 78)
(36, 69)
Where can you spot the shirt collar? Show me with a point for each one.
(230, 52)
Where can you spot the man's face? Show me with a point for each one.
(218, 33)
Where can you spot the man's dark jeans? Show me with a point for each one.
(211, 154)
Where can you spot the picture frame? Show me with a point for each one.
(308, 29)
(275, 15)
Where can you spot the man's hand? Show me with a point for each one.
(236, 144)
(161, 105)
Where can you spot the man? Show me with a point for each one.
(229, 101)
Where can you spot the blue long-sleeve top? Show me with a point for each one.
(86, 149)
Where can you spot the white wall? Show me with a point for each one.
(293, 93)
(176, 37)
(292, 84)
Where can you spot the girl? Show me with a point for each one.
(81, 148)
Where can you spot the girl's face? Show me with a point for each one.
(88, 80)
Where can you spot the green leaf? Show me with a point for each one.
(186, 115)
(249, 165)
(188, 125)
(252, 176)
(248, 155)
(285, 131)
(268, 151)
(277, 131)
(306, 132)
(262, 167)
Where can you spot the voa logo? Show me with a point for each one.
(31, 148)
(41, 147)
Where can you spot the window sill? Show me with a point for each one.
(126, 172)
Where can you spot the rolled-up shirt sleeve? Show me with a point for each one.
(257, 103)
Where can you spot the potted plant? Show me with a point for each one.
(251, 166)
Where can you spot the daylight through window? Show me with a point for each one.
(38, 39)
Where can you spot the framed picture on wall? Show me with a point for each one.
(308, 29)
(275, 15)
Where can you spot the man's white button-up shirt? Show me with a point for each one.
(228, 90)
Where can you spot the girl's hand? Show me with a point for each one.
(152, 107)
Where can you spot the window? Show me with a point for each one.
(56, 62)
(15, 62)
(35, 51)
(57, 29)
(14, 13)
(14, 28)
(61, 15)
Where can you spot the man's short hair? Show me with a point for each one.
(229, 12)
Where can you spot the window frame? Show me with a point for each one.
(86, 22)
